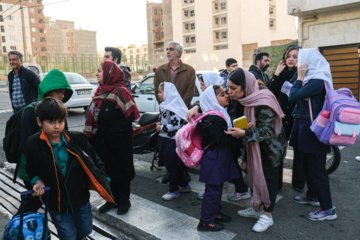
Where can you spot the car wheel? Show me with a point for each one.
(85, 108)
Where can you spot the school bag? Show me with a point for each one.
(30, 225)
(339, 120)
(188, 141)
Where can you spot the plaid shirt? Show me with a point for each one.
(17, 96)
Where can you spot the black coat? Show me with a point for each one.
(29, 81)
(113, 142)
(83, 171)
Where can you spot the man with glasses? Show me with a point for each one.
(177, 72)
(23, 83)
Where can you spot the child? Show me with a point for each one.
(66, 162)
(231, 65)
(173, 113)
(210, 78)
(215, 170)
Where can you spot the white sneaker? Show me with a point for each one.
(170, 196)
(201, 195)
(250, 212)
(357, 158)
(263, 223)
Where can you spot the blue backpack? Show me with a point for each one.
(339, 120)
(30, 225)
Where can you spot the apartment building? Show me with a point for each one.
(212, 31)
(334, 28)
(137, 58)
(11, 27)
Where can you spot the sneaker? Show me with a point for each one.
(263, 223)
(235, 196)
(250, 212)
(321, 215)
(307, 200)
(171, 195)
(185, 189)
(214, 227)
(201, 195)
(222, 218)
(357, 158)
(107, 207)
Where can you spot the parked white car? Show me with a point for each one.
(83, 91)
(144, 93)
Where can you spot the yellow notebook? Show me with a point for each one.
(240, 122)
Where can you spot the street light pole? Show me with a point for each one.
(23, 28)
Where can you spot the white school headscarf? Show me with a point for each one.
(173, 101)
(208, 101)
(211, 78)
(316, 64)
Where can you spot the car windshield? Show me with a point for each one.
(76, 79)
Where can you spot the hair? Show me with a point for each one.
(262, 85)
(230, 61)
(260, 56)
(50, 109)
(178, 46)
(161, 85)
(238, 77)
(200, 77)
(217, 89)
(18, 54)
(115, 53)
(289, 49)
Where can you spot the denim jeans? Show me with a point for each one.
(73, 226)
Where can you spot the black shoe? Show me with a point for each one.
(299, 190)
(222, 218)
(107, 207)
(214, 227)
(123, 209)
(165, 178)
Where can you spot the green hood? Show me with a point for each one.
(54, 80)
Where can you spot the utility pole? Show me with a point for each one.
(23, 28)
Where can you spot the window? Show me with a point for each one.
(272, 23)
(217, 35)
(41, 21)
(192, 51)
(3, 39)
(220, 47)
(185, 1)
(13, 48)
(271, 10)
(223, 20)
(161, 11)
(11, 28)
(1, 18)
(192, 1)
(223, 35)
(162, 34)
(31, 1)
(216, 20)
(2, 29)
(10, 18)
(193, 39)
(186, 26)
(32, 10)
(157, 35)
(156, 23)
(192, 13)
(41, 30)
(187, 39)
(39, 12)
(162, 23)
(186, 13)
(0, 8)
(34, 39)
(155, 11)
(216, 6)
(39, 1)
(4, 49)
(146, 87)
(223, 5)
(33, 29)
(11, 38)
(42, 40)
(192, 26)
(32, 20)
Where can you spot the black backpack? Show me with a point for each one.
(11, 141)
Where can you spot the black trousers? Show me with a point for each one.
(298, 176)
(121, 192)
(271, 175)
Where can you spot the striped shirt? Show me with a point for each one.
(18, 100)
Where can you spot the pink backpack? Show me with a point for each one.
(188, 141)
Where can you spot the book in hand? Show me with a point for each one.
(240, 122)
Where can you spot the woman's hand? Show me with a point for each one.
(158, 127)
(302, 72)
(250, 124)
(236, 132)
(280, 68)
(38, 188)
(193, 112)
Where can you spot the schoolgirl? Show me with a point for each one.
(218, 163)
(173, 117)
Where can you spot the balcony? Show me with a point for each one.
(304, 7)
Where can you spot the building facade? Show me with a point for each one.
(137, 58)
(212, 31)
(334, 28)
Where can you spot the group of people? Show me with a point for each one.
(101, 159)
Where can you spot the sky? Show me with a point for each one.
(117, 22)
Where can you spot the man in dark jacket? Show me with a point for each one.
(261, 65)
(23, 83)
(114, 54)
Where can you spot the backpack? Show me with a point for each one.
(11, 141)
(339, 120)
(188, 141)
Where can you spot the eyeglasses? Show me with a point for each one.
(170, 49)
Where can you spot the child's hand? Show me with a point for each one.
(302, 71)
(192, 113)
(158, 127)
(250, 124)
(38, 188)
(236, 132)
